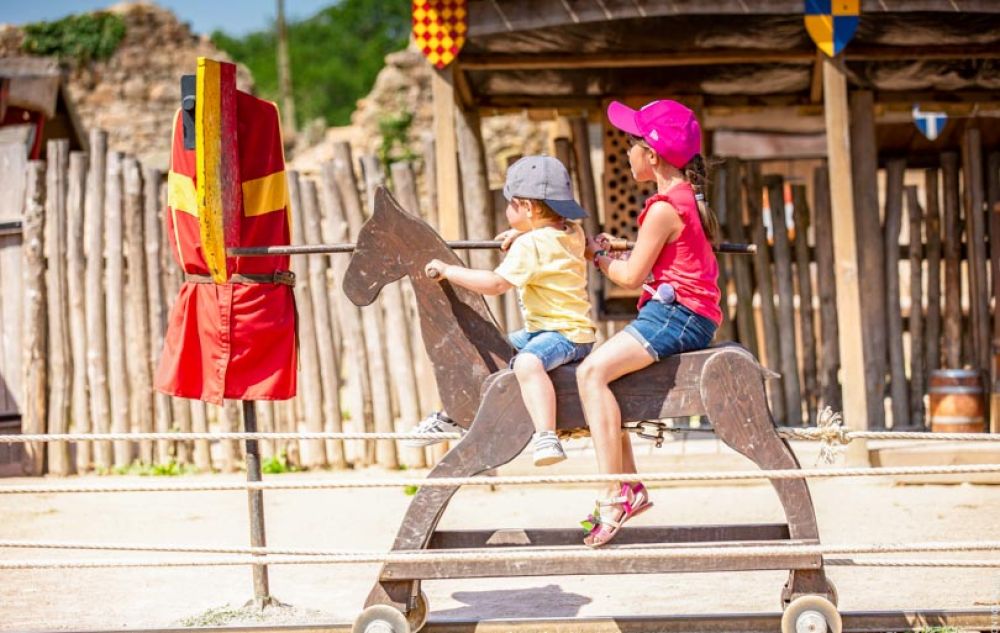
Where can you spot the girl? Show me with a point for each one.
(679, 307)
(545, 262)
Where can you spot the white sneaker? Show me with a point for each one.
(548, 449)
(436, 422)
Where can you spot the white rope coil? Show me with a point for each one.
(735, 475)
(513, 555)
(221, 436)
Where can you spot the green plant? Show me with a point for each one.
(395, 134)
(169, 469)
(80, 38)
(277, 464)
(409, 491)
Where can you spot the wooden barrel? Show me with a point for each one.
(957, 404)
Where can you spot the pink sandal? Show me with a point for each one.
(633, 500)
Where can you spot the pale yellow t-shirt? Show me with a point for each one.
(547, 267)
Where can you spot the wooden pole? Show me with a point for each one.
(975, 238)
(718, 200)
(430, 210)
(786, 302)
(894, 315)
(587, 187)
(917, 376)
(993, 198)
(97, 347)
(155, 302)
(230, 417)
(55, 293)
(933, 229)
(765, 289)
(803, 268)
(851, 338)
(115, 280)
(75, 281)
(871, 259)
(746, 327)
(329, 365)
(255, 506)
(952, 264)
(33, 410)
(826, 288)
(285, 74)
(445, 163)
(13, 176)
(137, 309)
(197, 413)
(311, 391)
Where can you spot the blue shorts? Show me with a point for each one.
(665, 329)
(552, 348)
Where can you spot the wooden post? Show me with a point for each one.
(445, 155)
(952, 264)
(230, 416)
(285, 75)
(255, 505)
(719, 201)
(311, 391)
(197, 413)
(97, 347)
(803, 267)
(975, 227)
(13, 177)
(137, 309)
(826, 288)
(765, 288)
(786, 302)
(871, 258)
(55, 293)
(933, 229)
(33, 412)
(588, 197)
(381, 412)
(852, 339)
(917, 380)
(115, 280)
(430, 211)
(894, 316)
(75, 280)
(746, 326)
(993, 198)
(156, 305)
(329, 364)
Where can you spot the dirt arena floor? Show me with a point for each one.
(861, 510)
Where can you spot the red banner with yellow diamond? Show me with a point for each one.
(439, 28)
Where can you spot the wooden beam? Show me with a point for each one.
(445, 154)
(816, 82)
(845, 247)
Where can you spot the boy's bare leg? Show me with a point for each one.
(537, 391)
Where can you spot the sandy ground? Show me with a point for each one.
(849, 511)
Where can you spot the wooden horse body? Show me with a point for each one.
(470, 357)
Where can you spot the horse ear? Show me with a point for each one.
(384, 202)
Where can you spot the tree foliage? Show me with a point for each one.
(335, 55)
(79, 38)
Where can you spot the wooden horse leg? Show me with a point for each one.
(732, 392)
(498, 434)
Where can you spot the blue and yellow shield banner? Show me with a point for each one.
(832, 23)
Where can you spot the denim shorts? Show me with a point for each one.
(671, 328)
(552, 348)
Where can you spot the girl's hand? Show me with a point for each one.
(594, 244)
(508, 237)
(436, 269)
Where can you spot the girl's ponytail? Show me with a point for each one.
(696, 173)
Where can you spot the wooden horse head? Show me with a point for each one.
(459, 333)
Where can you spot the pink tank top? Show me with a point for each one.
(688, 263)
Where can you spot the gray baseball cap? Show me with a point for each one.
(543, 178)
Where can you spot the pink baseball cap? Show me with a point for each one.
(670, 128)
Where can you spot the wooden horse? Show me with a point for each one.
(470, 357)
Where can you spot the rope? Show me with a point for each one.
(910, 562)
(514, 555)
(182, 437)
(736, 475)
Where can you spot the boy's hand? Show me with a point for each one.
(594, 244)
(436, 269)
(508, 237)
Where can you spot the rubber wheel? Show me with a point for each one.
(811, 614)
(381, 618)
(417, 617)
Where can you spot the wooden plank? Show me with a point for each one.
(97, 336)
(952, 341)
(13, 175)
(932, 227)
(807, 320)
(642, 535)
(917, 374)
(899, 389)
(156, 304)
(33, 412)
(59, 357)
(826, 289)
(975, 237)
(786, 302)
(718, 201)
(115, 322)
(445, 156)
(765, 289)
(746, 326)
(329, 365)
(77, 315)
(851, 341)
(871, 263)
(993, 198)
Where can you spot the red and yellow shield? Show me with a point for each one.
(439, 28)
